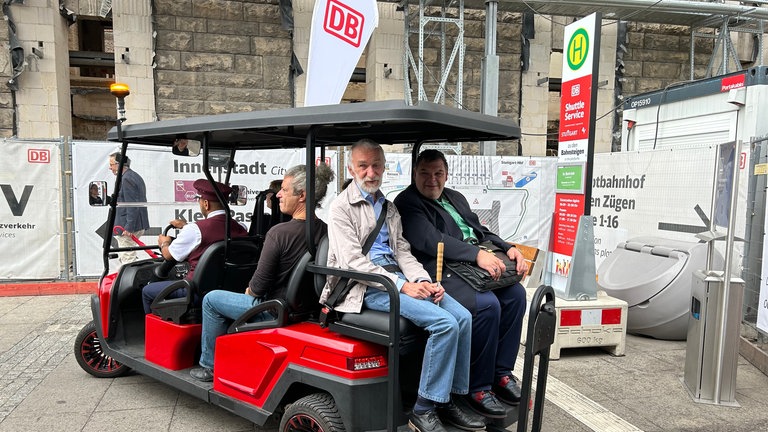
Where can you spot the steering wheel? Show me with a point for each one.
(165, 268)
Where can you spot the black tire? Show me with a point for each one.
(314, 413)
(91, 357)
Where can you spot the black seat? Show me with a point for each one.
(369, 324)
(403, 339)
(227, 267)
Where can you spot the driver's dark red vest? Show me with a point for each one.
(212, 230)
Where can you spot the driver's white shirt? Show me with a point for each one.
(189, 239)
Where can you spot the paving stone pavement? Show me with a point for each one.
(37, 335)
(43, 388)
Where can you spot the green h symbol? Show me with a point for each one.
(578, 47)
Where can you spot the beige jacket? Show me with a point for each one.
(351, 218)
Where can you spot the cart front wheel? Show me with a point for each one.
(91, 357)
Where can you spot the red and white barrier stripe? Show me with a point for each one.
(590, 317)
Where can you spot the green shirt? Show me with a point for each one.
(465, 229)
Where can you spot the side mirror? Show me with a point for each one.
(97, 193)
(186, 147)
(239, 195)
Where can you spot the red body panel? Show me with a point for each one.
(105, 294)
(249, 364)
(170, 345)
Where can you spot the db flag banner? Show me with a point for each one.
(340, 31)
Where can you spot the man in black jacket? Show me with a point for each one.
(431, 214)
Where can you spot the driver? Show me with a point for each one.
(194, 238)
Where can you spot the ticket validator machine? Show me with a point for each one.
(712, 350)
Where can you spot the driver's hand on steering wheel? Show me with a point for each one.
(178, 223)
(163, 239)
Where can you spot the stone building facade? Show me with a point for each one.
(184, 58)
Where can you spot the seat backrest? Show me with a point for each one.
(321, 259)
(262, 222)
(213, 271)
(300, 295)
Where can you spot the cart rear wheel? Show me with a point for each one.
(91, 357)
(313, 413)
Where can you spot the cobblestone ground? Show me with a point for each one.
(26, 363)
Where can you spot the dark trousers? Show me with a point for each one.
(151, 291)
(496, 329)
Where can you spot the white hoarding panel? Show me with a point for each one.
(762, 305)
(512, 195)
(168, 178)
(30, 212)
(662, 193)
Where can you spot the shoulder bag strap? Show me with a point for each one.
(345, 284)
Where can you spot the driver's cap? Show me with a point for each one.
(205, 189)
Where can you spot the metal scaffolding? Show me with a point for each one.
(432, 19)
(442, 22)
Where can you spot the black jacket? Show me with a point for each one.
(425, 223)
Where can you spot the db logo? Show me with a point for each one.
(327, 161)
(38, 156)
(343, 22)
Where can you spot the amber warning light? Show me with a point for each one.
(119, 90)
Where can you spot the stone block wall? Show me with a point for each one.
(42, 101)
(216, 56)
(659, 55)
(7, 127)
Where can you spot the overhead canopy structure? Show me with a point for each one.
(386, 122)
(724, 16)
(693, 13)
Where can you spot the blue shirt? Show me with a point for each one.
(380, 246)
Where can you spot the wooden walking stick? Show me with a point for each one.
(439, 269)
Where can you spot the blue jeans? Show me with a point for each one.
(153, 289)
(219, 308)
(445, 368)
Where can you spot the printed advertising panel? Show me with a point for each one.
(30, 212)
(762, 305)
(170, 195)
(661, 193)
(511, 195)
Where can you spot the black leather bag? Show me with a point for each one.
(481, 280)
